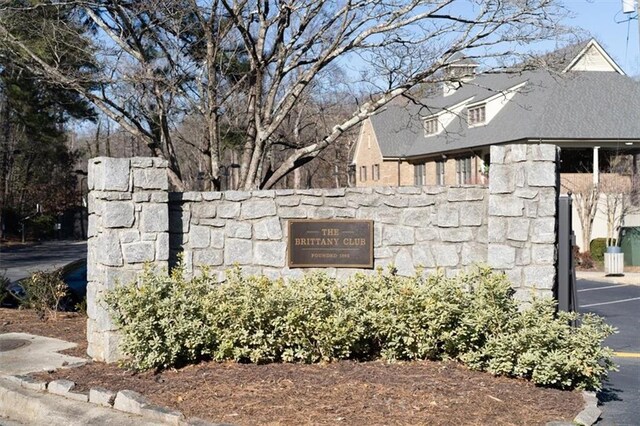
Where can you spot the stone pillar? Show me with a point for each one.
(523, 197)
(128, 228)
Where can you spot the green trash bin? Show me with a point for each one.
(630, 244)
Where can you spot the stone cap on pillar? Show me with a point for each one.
(127, 174)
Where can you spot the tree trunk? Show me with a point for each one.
(250, 137)
(107, 142)
(213, 124)
(296, 178)
(586, 202)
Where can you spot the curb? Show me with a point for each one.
(588, 416)
(21, 398)
(629, 278)
(25, 399)
(590, 413)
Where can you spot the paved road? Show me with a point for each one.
(21, 261)
(620, 305)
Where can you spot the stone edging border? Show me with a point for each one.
(590, 413)
(588, 416)
(131, 402)
(127, 401)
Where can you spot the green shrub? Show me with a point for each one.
(4, 284)
(542, 346)
(169, 320)
(44, 292)
(81, 307)
(163, 319)
(598, 247)
(431, 317)
(264, 320)
(42, 226)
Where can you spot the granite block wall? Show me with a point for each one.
(522, 216)
(128, 227)
(134, 220)
(414, 227)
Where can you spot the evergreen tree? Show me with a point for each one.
(35, 161)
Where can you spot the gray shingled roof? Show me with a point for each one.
(558, 59)
(458, 58)
(573, 106)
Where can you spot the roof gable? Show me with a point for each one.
(446, 115)
(593, 57)
(570, 106)
(601, 104)
(367, 140)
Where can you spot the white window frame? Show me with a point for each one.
(477, 115)
(431, 126)
(464, 173)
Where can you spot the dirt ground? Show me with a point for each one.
(350, 393)
(68, 326)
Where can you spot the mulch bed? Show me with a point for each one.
(68, 326)
(347, 393)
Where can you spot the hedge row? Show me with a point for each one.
(169, 320)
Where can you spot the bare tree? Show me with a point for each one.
(611, 197)
(617, 191)
(308, 122)
(245, 65)
(586, 195)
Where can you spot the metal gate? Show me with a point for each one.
(565, 291)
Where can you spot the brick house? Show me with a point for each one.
(583, 103)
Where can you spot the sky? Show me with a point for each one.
(604, 20)
(618, 33)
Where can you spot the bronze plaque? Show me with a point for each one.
(330, 243)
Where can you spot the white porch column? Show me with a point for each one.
(596, 165)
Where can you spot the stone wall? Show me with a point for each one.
(413, 226)
(511, 225)
(128, 227)
(523, 199)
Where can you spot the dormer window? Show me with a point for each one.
(431, 126)
(476, 115)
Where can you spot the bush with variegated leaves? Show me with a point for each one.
(473, 317)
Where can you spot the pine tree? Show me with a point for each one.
(36, 164)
